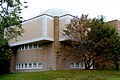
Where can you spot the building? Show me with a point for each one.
(38, 48)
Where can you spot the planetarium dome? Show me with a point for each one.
(54, 12)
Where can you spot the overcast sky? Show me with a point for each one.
(108, 8)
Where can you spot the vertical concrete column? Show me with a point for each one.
(44, 26)
(56, 40)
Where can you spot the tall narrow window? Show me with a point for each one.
(40, 45)
(30, 46)
(22, 66)
(30, 65)
(26, 46)
(71, 65)
(23, 47)
(77, 65)
(35, 46)
(40, 65)
(34, 65)
(25, 65)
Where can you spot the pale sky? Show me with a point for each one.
(108, 8)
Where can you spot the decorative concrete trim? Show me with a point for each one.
(27, 21)
(30, 41)
(35, 18)
(44, 26)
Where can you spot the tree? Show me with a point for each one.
(116, 53)
(10, 23)
(92, 39)
(78, 40)
(105, 38)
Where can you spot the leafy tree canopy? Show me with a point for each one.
(92, 39)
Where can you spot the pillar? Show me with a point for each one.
(56, 40)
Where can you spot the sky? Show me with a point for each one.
(110, 9)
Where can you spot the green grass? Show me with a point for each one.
(65, 75)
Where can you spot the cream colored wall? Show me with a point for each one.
(50, 27)
(62, 23)
(33, 29)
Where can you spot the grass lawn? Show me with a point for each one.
(65, 75)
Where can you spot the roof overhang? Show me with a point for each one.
(42, 39)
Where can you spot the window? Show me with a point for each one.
(77, 65)
(35, 45)
(81, 64)
(26, 46)
(22, 65)
(30, 65)
(71, 65)
(25, 65)
(39, 45)
(34, 65)
(22, 47)
(29, 47)
(40, 65)
(18, 65)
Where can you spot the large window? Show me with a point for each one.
(30, 46)
(77, 65)
(35, 65)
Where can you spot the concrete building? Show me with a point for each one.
(38, 48)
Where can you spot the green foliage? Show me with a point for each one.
(106, 40)
(93, 39)
(10, 19)
(10, 24)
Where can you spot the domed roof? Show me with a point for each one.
(54, 12)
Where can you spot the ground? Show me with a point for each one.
(65, 75)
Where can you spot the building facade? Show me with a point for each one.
(38, 47)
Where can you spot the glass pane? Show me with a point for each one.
(30, 46)
(39, 45)
(25, 65)
(81, 64)
(22, 65)
(71, 64)
(22, 47)
(19, 66)
(39, 64)
(30, 65)
(34, 64)
(35, 45)
(77, 65)
(26, 46)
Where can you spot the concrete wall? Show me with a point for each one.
(33, 29)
